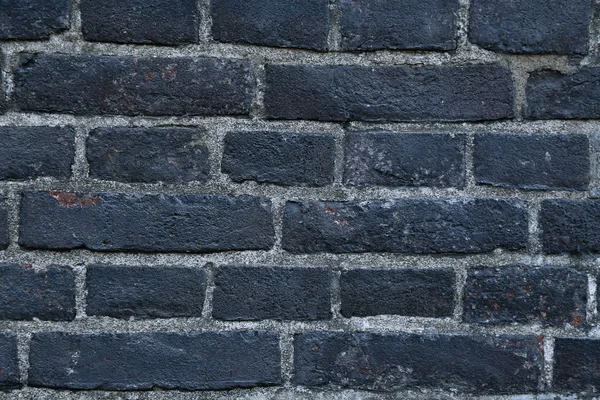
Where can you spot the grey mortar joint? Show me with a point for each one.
(336, 296)
(205, 35)
(207, 308)
(548, 365)
(23, 342)
(258, 69)
(80, 169)
(286, 348)
(468, 161)
(334, 36)
(80, 272)
(461, 279)
(534, 245)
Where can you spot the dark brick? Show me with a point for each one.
(570, 226)
(413, 292)
(550, 296)
(149, 155)
(145, 292)
(32, 152)
(134, 361)
(552, 95)
(576, 365)
(471, 364)
(133, 86)
(43, 293)
(404, 159)
(393, 93)
(532, 161)
(139, 222)
(283, 293)
(282, 158)
(4, 239)
(9, 362)
(531, 26)
(282, 23)
(398, 24)
(33, 19)
(404, 226)
(140, 21)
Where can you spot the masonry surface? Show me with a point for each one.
(307, 199)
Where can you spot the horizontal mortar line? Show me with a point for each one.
(273, 258)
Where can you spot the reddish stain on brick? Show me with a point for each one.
(72, 199)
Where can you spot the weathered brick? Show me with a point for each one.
(385, 362)
(525, 294)
(139, 222)
(570, 226)
(398, 24)
(282, 23)
(282, 158)
(140, 21)
(149, 155)
(413, 292)
(135, 361)
(4, 238)
(132, 85)
(44, 293)
(531, 26)
(33, 19)
(144, 292)
(553, 95)
(576, 365)
(532, 161)
(404, 159)
(9, 362)
(404, 226)
(283, 293)
(32, 152)
(394, 93)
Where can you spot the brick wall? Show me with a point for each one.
(299, 199)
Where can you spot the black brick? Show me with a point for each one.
(471, 364)
(33, 19)
(282, 23)
(576, 365)
(552, 95)
(570, 226)
(550, 296)
(282, 158)
(404, 159)
(398, 24)
(4, 239)
(140, 21)
(283, 293)
(394, 93)
(149, 155)
(531, 26)
(45, 293)
(532, 161)
(404, 226)
(145, 292)
(134, 361)
(414, 292)
(133, 86)
(31, 152)
(138, 222)
(9, 362)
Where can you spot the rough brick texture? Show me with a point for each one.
(291, 23)
(531, 26)
(532, 161)
(140, 21)
(553, 95)
(33, 152)
(133, 86)
(525, 294)
(414, 292)
(33, 19)
(284, 293)
(342, 93)
(570, 226)
(4, 237)
(475, 364)
(144, 292)
(393, 24)
(148, 155)
(576, 366)
(279, 157)
(404, 226)
(134, 361)
(404, 159)
(137, 222)
(9, 363)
